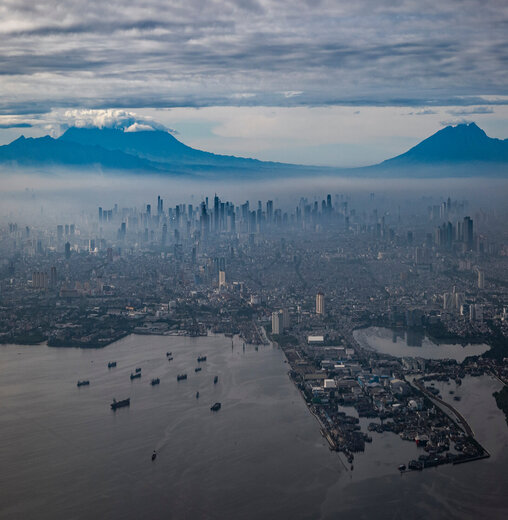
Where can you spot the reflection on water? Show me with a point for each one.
(414, 343)
(412, 336)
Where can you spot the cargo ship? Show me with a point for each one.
(120, 404)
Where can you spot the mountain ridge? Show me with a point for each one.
(158, 152)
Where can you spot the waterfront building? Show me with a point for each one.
(277, 322)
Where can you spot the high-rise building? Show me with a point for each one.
(269, 211)
(222, 279)
(53, 277)
(277, 322)
(67, 250)
(164, 235)
(216, 213)
(476, 312)
(39, 280)
(481, 279)
(320, 303)
(448, 301)
(467, 232)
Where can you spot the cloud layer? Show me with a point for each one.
(96, 54)
(110, 118)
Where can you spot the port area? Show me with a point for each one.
(405, 406)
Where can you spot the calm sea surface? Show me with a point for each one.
(65, 454)
(412, 343)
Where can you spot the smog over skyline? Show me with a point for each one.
(254, 259)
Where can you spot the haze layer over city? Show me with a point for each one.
(254, 260)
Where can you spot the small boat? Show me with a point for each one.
(181, 377)
(154, 455)
(135, 376)
(138, 370)
(169, 354)
(112, 364)
(197, 369)
(215, 407)
(352, 467)
(402, 467)
(457, 398)
(120, 404)
(155, 381)
(170, 358)
(215, 379)
(197, 395)
(201, 359)
(83, 383)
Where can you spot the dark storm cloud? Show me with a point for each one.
(4, 126)
(98, 54)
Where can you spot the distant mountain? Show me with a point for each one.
(454, 144)
(154, 145)
(457, 151)
(44, 151)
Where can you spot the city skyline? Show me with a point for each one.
(254, 259)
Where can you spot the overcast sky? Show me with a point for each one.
(318, 82)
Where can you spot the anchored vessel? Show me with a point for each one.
(120, 404)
